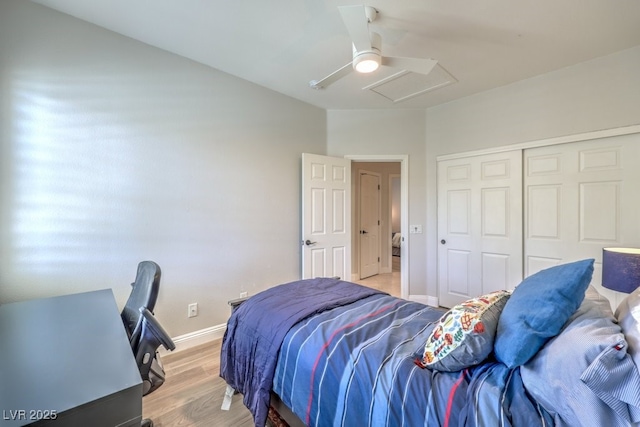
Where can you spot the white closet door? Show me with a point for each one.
(579, 198)
(479, 225)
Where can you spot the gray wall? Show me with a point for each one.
(113, 152)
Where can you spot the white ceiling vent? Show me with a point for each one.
(406, 84)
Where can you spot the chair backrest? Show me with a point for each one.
(143, 295)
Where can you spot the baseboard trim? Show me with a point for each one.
(433, 301)
(195, 338)
(425, 299)
(206, 335)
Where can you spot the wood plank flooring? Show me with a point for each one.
(193, 391)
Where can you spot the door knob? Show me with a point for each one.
(309, 242)
(443, 241)
(363, 232)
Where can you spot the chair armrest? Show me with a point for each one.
(152, 335)
(151, 328)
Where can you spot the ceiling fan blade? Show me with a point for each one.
(331, 78)
(417, 65)
(355, 19)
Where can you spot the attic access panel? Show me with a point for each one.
(406, 84)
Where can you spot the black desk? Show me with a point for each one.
(67, 358)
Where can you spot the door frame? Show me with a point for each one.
(403, 159)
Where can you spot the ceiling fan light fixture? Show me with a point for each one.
(366, 62)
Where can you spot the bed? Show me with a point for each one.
(333, 353)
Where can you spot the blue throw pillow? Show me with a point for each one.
(537, 310)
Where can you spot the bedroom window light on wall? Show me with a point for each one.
(621, 269)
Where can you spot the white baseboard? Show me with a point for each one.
(195, 338)
(433, 301)
(424, 299)
(206, 335)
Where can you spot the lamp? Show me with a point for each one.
(621, 269)
(366, 62)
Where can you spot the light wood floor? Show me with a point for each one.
(193, 391)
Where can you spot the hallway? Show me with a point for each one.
(386, 282)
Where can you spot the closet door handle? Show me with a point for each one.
(309, 242)
(444, 242)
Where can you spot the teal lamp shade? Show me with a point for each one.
(621, 269)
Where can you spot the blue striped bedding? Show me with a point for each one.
(255, 331)
(339, 354)
(354, 365)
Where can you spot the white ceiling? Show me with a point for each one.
(283, 44)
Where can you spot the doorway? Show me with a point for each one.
(385, 172)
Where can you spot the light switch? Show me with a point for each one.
(415, 229)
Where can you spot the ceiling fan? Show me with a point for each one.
(367, 56)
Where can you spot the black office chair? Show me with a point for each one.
(144, 331)
(144, 294)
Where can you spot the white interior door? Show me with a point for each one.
(479, 225)
(369, 232)
(581, 197)
(326, 216)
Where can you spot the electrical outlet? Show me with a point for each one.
(192, 310)
(244, 294)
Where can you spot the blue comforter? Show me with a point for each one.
(354, 366)
(256, 329)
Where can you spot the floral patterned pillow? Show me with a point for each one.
(464, 335)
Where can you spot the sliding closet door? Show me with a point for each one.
(579, 198)
(479, 225)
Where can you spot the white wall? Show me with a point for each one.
(113, 152)
(595, 95)
(389, 132)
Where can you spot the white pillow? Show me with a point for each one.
(584, 376)
(628, 315)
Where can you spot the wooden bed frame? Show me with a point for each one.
(280, 415)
